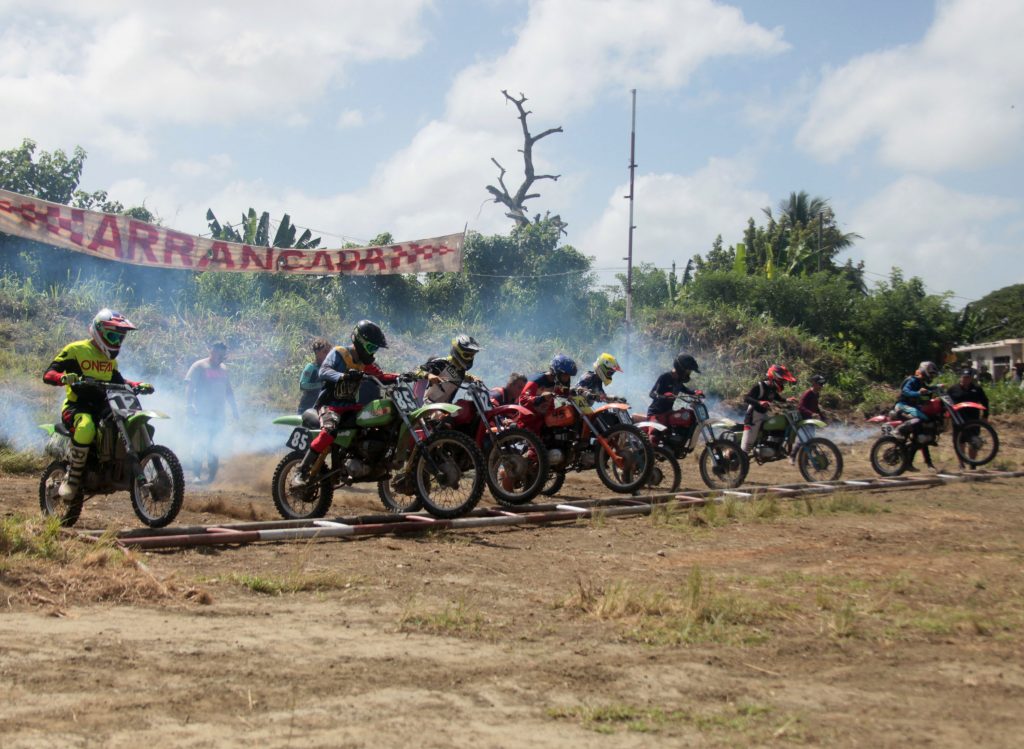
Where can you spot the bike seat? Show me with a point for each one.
(61, 429)
(310, 419)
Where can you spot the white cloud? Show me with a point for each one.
(571, 51)
(351, 118)
(953, 101)
(676, 216)
(102, 73)
(192, 168)
(953, 240)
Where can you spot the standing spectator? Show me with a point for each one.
(809, 407)
(207, 389)
(966, 389)
(309, 381)
(984, 376)
(1018, 373)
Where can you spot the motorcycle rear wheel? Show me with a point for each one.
(553, 483)
(449, 474)
(637, 455)
(820, 460)
(723, 465)
(666, 475)
(159, 489)
(979, 436)
(889, 456)
(396, 502)
(313, 501)
(517, 466)
(50, 502)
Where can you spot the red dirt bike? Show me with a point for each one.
(515, 459)
(579, 437)
(680, 432)
(974, 441)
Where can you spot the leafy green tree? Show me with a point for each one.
(51, 176)
(652, 287)
(901, 324)
(998, 314)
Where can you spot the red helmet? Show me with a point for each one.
(778, 375)
(108, 330)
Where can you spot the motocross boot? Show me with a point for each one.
(301, 477)
(76, 466)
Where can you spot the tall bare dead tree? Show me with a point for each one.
(515, 202)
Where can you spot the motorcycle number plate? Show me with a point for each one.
(298, 439)
(404, 399)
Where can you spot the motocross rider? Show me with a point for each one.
(341, 372)
(595, 379)
(541, 389)
(761, 396)
(77, 367)
(670, 384)
(445, 374)
(913, 389)
(508, 395)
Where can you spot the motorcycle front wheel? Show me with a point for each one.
(976, 443)
(723, 465)
(517, 466)
(820, 460)
(889, 456)
(49, 500)
(159, 488)
(449, 474)
(634, 450)
(299, 503)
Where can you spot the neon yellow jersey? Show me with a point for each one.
(84, 358)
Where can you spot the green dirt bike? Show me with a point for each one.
(394, 443)
(785, 434)
(121, 458)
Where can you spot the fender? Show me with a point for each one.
(50, 429)
(291, 420)
(651, 425)
(446, 408)
(509, 408)
(968, 404)
(724, 423)
(878, 419)
(812, 423)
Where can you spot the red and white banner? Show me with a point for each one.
(126, 240)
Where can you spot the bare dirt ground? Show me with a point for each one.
(881, 619)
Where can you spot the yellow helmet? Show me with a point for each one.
(605, 366)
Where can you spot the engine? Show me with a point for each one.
(367, 453)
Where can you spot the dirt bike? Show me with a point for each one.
(394, 443)
(579, 437)
(785, 435)
(680, 432)
(123, 457)
(516, 461)
(974, 441)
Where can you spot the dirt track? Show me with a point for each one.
(873, 620)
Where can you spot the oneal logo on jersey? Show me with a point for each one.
(97, 366)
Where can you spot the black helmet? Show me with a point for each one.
(464, 348)
(367, 338)
(818, 379)
(562, 364)
(685, 363)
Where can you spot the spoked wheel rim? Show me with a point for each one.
(723, 465)
(976, 443)
(666, 475)
(820, 460)
(50, 502)
(516, 467)
(635, 454)
(888, 457)
(449, 474)
(299, 503)
(159, 487)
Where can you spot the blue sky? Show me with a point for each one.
(357, 117)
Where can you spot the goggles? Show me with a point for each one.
(113, 337)
(371, 348)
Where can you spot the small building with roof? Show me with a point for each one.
(995, 357)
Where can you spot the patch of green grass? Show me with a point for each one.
(36, 537)
(20, 461)
(456, 617)
(753, 721)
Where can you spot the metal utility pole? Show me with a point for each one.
(629, 256)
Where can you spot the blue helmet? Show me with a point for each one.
(562, 364)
